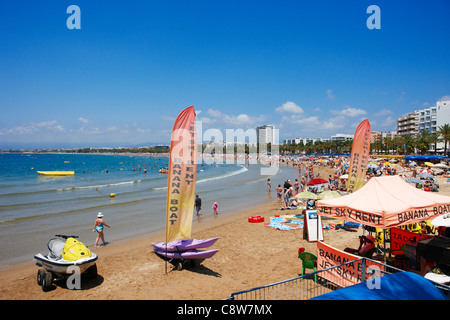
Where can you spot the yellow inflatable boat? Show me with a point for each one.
(56, 173)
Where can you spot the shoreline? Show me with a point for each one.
(138, 208)
(250, 255)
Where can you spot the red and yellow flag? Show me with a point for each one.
(359, 157)
(182, 177)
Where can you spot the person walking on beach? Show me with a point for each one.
(215, 206)
(269, 185)
(198, 204)
(99, 226)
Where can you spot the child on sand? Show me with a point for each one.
(215, 206)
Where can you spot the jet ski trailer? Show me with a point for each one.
(66, 256)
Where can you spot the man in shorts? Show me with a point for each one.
(198, 204)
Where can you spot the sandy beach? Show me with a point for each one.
(250, 255)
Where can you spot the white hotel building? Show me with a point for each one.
(429, 118)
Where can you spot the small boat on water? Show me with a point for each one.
(56, 173)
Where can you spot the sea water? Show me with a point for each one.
(34, 208)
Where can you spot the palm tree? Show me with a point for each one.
(434, 140)
(444, 132)
(423, 141)
(408, 142)
(389, 143)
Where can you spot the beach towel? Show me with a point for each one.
(279, 224)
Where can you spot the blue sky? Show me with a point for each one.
(313, 69)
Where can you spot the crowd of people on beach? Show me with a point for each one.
(287, 191)
(337, 181)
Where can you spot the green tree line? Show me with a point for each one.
(404, 144)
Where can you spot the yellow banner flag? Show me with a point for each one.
(182, 177)
(359, 157)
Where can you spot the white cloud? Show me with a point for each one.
(83, 120)
(309, 121)
(334, 123)
(330, 94)
(290, 107)
(46, 123)
(388, 122)
(349, 112)
(239, 120)
(34, 128)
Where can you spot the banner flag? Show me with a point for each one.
(343, 274)
(359, 157)
(182, 177)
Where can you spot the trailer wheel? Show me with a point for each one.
(47, 281)
(40, 276)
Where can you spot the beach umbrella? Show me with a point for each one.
(413, 180)
(429, 164)
(306, 195)
(437, 170)
(316, 181)
(441, 221)
(329, 194)
(441, 165)
(426, 170)
(425, 175)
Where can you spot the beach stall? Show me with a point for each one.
(386, 202)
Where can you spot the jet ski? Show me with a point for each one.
(65, 254)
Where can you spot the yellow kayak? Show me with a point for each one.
(56, 173)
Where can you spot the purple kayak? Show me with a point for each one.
(187, 255)
(185, 245)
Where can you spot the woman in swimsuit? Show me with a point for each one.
(279, 193)
(99, 226)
